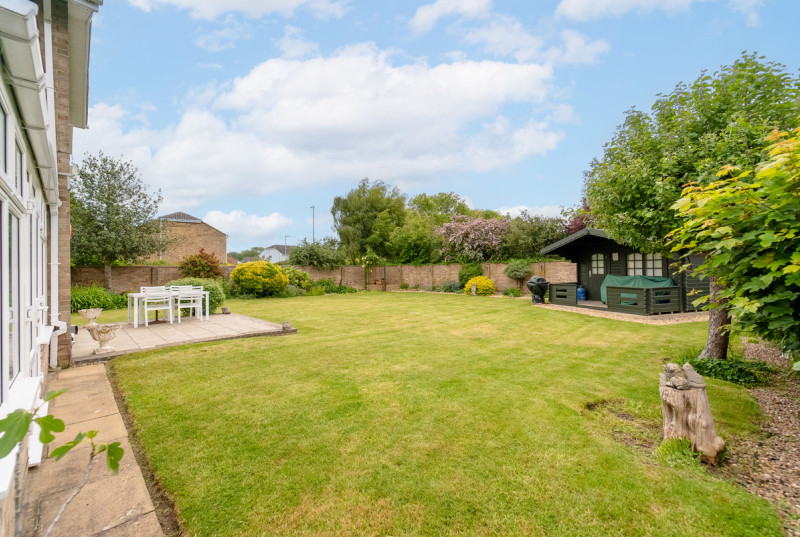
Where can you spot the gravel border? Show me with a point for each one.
(670, 318)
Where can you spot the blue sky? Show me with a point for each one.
(247, 112)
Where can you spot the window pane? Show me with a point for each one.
(3, 138)
(654, 265)
(13, 296)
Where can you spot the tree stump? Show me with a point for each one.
(687, 413)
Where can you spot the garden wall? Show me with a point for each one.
(429, 276)
(426, 277)
(131, 278)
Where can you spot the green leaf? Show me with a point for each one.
(114, 454)
(14, 427)
(52, 395)
(59, 452)
(49, 425)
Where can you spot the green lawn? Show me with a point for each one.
(427, 414)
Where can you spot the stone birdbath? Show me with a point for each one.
(100, 333)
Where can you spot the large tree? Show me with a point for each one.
(113, 215)
(366, 217)
(720, 118)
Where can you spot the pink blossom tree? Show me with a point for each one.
(472, 238)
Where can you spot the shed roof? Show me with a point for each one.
(576, 240)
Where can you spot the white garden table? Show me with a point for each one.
(134, 299)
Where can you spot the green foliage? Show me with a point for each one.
(366, 216)
(201, 265)
(678, 453)
(216, 294)
(328, 284)
(251, 252)
(512, 291)
(452, 287)
(518, 269)
(291, 291)
(528, 234)
(745, 373)
(439, 208)
(324, 255)
(747, 226)
(297, 277)
(415, 241)
(718, 119)
(467, 272)
(94, 296)
(316, 290)
(16, 424)
(405, 286)
(483, 286)
(113, 216)
(260, 278)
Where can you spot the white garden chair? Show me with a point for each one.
(190, 299)
(160, 300)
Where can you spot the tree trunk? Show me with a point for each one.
(107, 273)
(718, 320)
(687, 413)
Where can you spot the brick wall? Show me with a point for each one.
(63, 152)
(429, 276)
(187, 239)
(131, 278)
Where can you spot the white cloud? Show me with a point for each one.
(293, 45)
(547, 210)
(584, 10)
(299, 123)
(247, 228)
(505, 36)
(749, 9)
(211, 9)
(224, 38)
(577, 49)
(428, 15)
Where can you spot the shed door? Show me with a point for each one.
(598, 268)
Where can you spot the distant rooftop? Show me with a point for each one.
(180, 217)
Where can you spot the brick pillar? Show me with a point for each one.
(64, 152)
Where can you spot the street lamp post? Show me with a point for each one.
(285, 252)
(313, 239)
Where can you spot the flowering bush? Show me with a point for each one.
(472, 238)
(201, 265)
(298, 278)
(260, 278)
(483, 286)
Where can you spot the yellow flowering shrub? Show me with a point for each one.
(483, 286)
(260, 278)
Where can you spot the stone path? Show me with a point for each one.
(109, 505)
(164, 334)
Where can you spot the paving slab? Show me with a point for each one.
(108, 504)
(165, 334)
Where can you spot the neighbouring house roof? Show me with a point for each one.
(250, 259)
(575, 241)
(283, 249)
(180, 217)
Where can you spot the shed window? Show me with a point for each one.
(653, 265)
(635, 267)
(598, 266)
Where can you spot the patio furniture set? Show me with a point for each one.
(176, 298)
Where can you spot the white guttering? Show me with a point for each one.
(80, 32)
(24, 72)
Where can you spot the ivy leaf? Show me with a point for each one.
(14, 427)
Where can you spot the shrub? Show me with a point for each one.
(512, 291)
(260, 278)
(216, 296)
(321, 255)
(328, 285)
(452, 287)
(483, 286)
(316, 290)
(404, 286)
(298, 278)
(94, 296)
(742, 372)
(519, 270)
(292, 291)
(201, 265)
(344, 289)
(467, 272)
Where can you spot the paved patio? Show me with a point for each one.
(163, 334)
